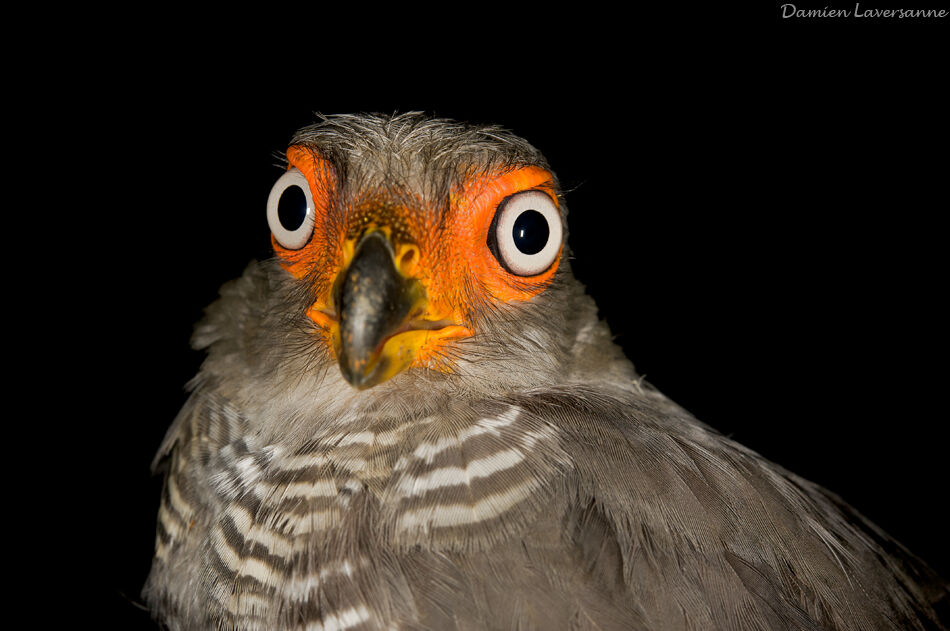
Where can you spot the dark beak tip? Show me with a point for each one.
(361, 374)
(358, 380)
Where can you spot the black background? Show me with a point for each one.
(757, 217)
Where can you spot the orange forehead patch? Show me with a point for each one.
(454, 260)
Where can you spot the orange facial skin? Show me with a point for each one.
(324, 242)
(451, 258)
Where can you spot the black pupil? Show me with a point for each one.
(530, 232)
(292, 208)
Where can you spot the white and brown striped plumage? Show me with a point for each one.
(537, 485)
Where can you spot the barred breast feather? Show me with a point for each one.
(314, 537)
(554, 509)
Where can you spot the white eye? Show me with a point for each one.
(526, 232)
(290, 210)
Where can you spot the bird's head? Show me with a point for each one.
(410, 251)
(410, 235)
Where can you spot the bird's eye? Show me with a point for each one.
(525, 235)
(290, 210)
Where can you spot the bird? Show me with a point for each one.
(410, 416)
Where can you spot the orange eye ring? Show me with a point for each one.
(478, 204)
(318, 251)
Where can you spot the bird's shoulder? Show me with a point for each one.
(697, 517)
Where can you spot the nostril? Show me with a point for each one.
(407, 259)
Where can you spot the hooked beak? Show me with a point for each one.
(382, 324)
(374, 301)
